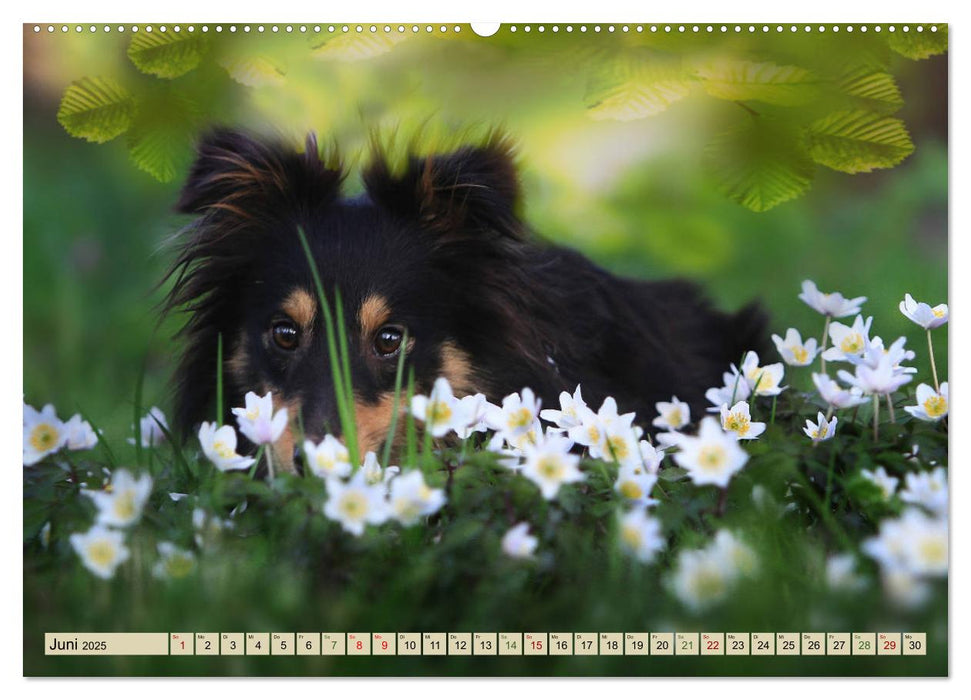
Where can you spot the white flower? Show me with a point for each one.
(835, 395)
(150, 426)
(207, 527)
(80, 434)
(258, 422)
(931, 405)
(904, 589)
(373, 473)
(355, 503)
(763, 381)
(922, 314)
(735, 554)
(883, 481)
(44, 433)
(640, 534)
(174, 562)
(895, 354)
(701, 579)
(841, 574)
(927, 489)
(820, 430)
(635, 484)
(550, 464)
(474, 410)
(121, 504)
(411, 498)
(622, 444)
(517, 417)
(833, 304)
(882, 379)
(569, 414)
(651, 456)
(440, 411)
(738, 420)
(735, 389)
(590, 433)
(672, 415)
(914, 542)
(605, 432)
(509, 457)
(219, 446)
(328, 459)
(848, 341)
(518, 543)
(712, 457)
(101, 550)
(793, 351)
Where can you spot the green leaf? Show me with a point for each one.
(764, 82)
(633, 87)
(357, 47)
(919, 45)
(876, 91)
(858, 142)
(166, 54)
(160, 142)
(760, 164)
(96, 109)
(254, 71)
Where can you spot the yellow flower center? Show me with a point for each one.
(407, 509)
(712, 458)
(631, 536)
(939, 313)
(852, 344)
(708, 584)
(933, 551)
(593, 434)
(520, 418)
(223, 450)
(124, 505)
(935, 406)
(101, 553)
(353, 505)
(550, 467)
(253, 414)
(439, 412)
(631, 490)
(44, 437)
(674, 417)
(800, 354)
(737, 423)
(618, 448)
(179, 565)
(325, 462)
(820, 432)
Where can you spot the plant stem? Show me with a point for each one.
(775, 400)
(829, 476)
(876, 417)
(269, 462)
(256, 464)
(822, 345)
(890, 407)
(930, 351)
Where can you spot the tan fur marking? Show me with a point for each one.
(301, 306)
(238, 361)
(374, 420)
(283, 448)
(373, 314)
(457, 369)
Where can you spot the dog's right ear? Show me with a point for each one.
(232, 167)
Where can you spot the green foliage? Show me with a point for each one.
(96, 109)
(760, 165)
(858, 142)
(919, 45)
(167, 54)
(762, 82)
(633, 86)
(800, 84)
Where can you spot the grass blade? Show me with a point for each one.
(398, 377)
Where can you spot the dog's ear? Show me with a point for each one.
(468, 191)
(232, 167)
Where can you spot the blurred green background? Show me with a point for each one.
(638, 194)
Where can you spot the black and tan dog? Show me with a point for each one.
(436, 250)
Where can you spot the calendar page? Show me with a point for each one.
(391, 349)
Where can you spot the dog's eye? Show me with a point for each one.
(388, 341)
(285, 335)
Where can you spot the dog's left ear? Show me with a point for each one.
(470, 191)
